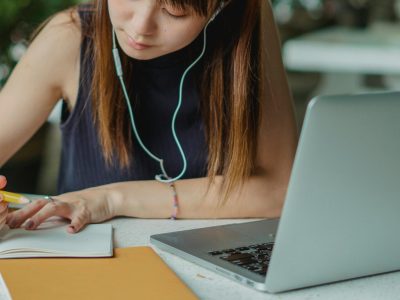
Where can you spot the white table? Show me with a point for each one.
(210, 285)
(343, 55)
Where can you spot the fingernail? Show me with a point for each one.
(30, 224)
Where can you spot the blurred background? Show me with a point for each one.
(329, 47)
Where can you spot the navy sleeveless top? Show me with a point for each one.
(82, 163)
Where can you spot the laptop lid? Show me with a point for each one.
(342, 211)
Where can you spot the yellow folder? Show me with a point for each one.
(133, 273)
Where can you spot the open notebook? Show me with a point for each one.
(52, 240)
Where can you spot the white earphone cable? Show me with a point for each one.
(164, 176)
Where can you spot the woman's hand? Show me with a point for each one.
(82, 207)
(3, 204)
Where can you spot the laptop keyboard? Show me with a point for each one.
(254, 258)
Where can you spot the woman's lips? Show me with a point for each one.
(138, 46)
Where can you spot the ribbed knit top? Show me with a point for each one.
(82, 163)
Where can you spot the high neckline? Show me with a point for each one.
(172, 59)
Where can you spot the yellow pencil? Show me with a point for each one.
(14, 198)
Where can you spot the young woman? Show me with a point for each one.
(211, 111)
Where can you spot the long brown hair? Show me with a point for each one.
(232, 90)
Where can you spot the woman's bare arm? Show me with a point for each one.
(46, 73)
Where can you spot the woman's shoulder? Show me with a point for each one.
(61, 32)
(57, 44)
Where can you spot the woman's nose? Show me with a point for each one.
(144, 22)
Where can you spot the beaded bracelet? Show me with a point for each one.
(175, 210)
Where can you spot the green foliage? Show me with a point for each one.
(18, 19)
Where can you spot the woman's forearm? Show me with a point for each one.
(259, 197)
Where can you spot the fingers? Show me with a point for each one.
(3, 207)
(2, 220)
(37, 212)
(77, 223)
(3, 213)
(3, 182)
(79, 217)
(17, 218)
(51, 209)
(3, 217)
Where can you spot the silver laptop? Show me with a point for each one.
(341, 217)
